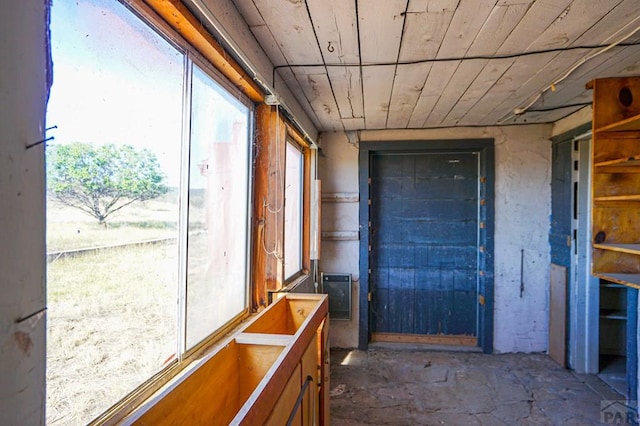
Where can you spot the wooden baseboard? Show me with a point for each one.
(431, 339)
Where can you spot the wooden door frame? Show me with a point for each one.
(486, 151)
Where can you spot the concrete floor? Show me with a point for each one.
(411, 387)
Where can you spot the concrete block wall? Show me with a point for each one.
(23, 94)
(522, 209)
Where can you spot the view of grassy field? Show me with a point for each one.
(69, 228)
(111, 313)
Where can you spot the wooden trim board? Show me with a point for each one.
(434, 339)
(558, 314)
(176, 14)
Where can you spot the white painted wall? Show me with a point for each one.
(522, 209)
(22, 219)
(338, 171)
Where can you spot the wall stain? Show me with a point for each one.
(24, 342)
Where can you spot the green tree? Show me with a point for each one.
(100, 180)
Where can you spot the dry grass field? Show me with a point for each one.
(112, 313)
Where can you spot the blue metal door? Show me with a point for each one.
(424, 243)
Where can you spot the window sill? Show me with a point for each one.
(290, 287)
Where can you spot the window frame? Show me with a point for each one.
(294, 138)
(290, 143)
(186, 356)
(152, 17)
(174, 22)
(193, 58)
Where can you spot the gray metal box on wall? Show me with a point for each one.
(338, 287)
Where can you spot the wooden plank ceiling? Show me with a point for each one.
(393, 64)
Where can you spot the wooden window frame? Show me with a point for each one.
(265, 276)
(173, 21)
(295, 138)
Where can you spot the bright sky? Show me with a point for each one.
(113, 84)
(117, 81)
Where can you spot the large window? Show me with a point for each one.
(218, 186)
(147, 208)
(293, 198)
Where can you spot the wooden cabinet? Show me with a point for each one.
(616, 225)
(272, 370)
(616, 180)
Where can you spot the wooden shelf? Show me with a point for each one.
(629, 280)
(629, 124)
(622, 248)
(340, 197)
(617, 198)
(340, 236)
(619, 165)
(616, 207)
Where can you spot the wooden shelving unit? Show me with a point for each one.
(616, 224)
(616, 180)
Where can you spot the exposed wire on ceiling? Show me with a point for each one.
(603, 48)
(460, 58)
(521, 110)
(555, 108)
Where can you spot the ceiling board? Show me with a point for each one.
(336, 27)
(353, 123)
(609, 64)
(566, 31)
(428, 64)
(347, 88)
(407, 85)
(467, 21)
(318, 91)
(538, 18)
(423, 33)
(380, 24)
(294, 34)
(287, 77)
(479, 87)
(432, 5)
(263, 34)
(438, 78)
(249, 12)
(377, 83)
(493, 79)
(497, 27)
(573, 91)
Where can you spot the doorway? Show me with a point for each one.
(424, 239)
(428, 249)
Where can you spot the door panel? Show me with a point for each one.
(424, 243)
(561, 204)
(560, 244)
